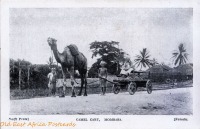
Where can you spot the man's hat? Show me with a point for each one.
(102, 63)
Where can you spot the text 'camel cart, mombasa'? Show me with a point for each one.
(132, 82)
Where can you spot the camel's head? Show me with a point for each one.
(52, 42)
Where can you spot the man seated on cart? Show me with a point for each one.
(126, 70)
(127, 73)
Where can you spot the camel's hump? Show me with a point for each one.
(74, 49)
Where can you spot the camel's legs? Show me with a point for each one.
(82, 82)
(64, 83)
(71, 71)
(85, 81)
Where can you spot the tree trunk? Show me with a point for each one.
(117, 67)
(20, 78)
(28, 76)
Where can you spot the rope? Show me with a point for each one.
(96, 81)
(104, 79)
(76, 81)
(93, 82)
(87, 83)
(108, 80)
(52, 54)
(55, 59)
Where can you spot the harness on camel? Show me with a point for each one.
(74, 51)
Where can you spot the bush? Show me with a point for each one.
(162, 77)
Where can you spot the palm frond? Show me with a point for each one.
(180, 56)
(144, 64)
(186, 55)
(177, 60)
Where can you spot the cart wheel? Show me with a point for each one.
(115, 89)
(132, 87)
(149, 87)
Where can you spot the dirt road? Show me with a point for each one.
(161, 102)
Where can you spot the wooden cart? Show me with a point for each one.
(131, 83)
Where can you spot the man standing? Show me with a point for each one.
(52, 81)
(103, 76)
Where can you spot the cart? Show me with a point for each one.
(132, 82)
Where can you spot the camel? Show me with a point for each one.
(70, 63)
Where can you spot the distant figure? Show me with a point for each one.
(52, 82)
(103, 74)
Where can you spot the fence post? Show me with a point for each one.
(28, 76)
(19, 78)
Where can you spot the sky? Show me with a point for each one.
(160, 30)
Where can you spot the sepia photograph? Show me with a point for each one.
(101, 61)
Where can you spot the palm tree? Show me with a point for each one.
(162, 63)
(180, 56)
(143, 59)
(50, 62)
(154, 62)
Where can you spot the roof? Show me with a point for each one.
(159, 67)
(185, 69)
